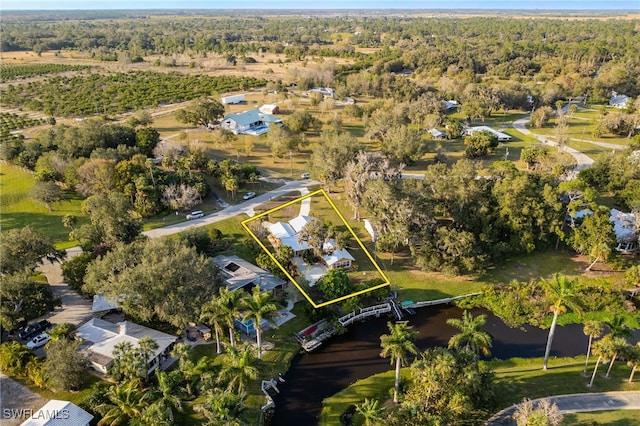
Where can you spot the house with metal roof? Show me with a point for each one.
(101, 338)
(251, 122)
(619, 101)
(238, 273)
(502, 137)
(59, 413)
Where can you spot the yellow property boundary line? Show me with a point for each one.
(284, 270)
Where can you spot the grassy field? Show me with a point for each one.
(515, 379)
(18, 210)
(609, 418)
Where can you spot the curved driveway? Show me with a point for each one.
(576, 403)
(582, 160)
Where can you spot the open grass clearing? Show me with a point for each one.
(18, 210)
(609, 418)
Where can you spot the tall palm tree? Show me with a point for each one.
(620, 345)
(259, 307)
(618, 331)
(561, 292)
(126, 402)
(471, 337)
(214, 315)
(230, 306)
(604, 349)
(371, 411)
(593, 329)
(238, 368)
(167, 391)
(633, 359)
(147, 347)
(395, 346)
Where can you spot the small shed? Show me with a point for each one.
(436, 134)
(269, 109)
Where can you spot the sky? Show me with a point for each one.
(322, 4)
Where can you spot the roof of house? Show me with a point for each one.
(298, 222)
(623, 225)
(450, 104)
(281, 230)
(294, 243)
(238, 273)
(618, 100)
(105, 335)
(268, 108)
(338, 255)
(252, 116)
(436, 133)
(102, 303)
(59, 413)
(498, 134)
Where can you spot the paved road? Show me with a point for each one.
(16, 401)
(576, 403)
(583, 161)
(246, 207)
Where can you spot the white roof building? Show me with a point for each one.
(102, 337)
(340, 258)
(59, 413)
(281, 230)
(238, 273)
(502, 137)
(619, 101)
(624, 225)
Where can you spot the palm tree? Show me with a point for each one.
(395, 346)
(633, 359)
(619, 346)
(214, 315)
(562, 293)
(237, 369)
(167, 391)
(147, 347)
(230, 306)
(259, 307)
(471, 337)
(371, 411)
(604, 350)
(618, 331)
(222, 407)
(126, 402)
(593, 329)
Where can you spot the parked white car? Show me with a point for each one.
(305, 176)
(39, 340)
(248, 195)
(195, 215)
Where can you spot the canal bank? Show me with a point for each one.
(356, 354)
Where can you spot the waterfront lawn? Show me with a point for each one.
(609, 418)
(516, 378)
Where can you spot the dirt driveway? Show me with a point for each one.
(17, 403)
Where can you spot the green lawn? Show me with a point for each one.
(515, 379)
(18, 210)
(609, 418)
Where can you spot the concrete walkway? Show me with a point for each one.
(583, 161)
(577, 403)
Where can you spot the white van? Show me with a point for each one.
(195, 214)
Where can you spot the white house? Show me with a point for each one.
(619, 101)
(238, 273)
(624, 225)
(327, 92)
(101, 337)
(502, 137)
(251, 122)
(59, 413)
(284, 233)
(436, 134)
(450, 105)
(338, 259)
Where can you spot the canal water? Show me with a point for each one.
(343, 359)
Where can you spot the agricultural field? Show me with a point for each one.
(10, 72)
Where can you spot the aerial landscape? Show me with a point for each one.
(273, 213)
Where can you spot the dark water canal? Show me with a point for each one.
(356, 354)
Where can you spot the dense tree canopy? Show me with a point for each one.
(163, 279)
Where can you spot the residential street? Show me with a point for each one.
(578, 403)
